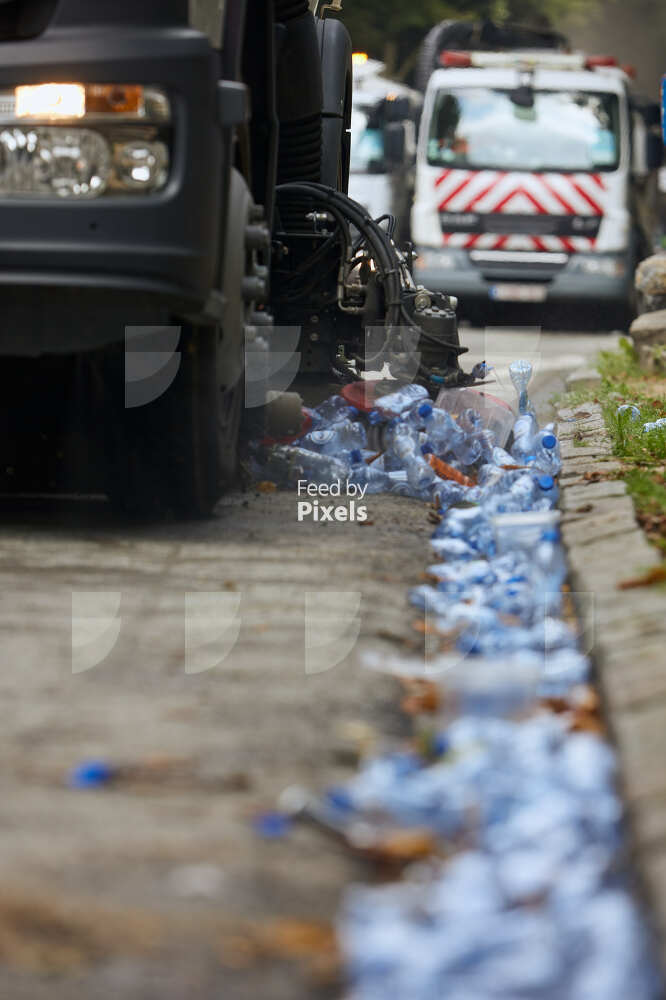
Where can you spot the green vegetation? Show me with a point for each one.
(643, 454)
(393, 30)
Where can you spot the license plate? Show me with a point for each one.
(515, 292)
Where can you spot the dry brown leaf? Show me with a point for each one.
(655, 575)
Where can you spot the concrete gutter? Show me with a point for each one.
(624, 630)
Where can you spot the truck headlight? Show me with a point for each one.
(605, 265)
(70, 140)
(428, 260)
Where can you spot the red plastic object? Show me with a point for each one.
(361, 395)
(290, 438)
(455, 60)
(592, 61)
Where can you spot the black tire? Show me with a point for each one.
(177, 454)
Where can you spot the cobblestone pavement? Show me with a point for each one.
(625, 629)
(100, 896)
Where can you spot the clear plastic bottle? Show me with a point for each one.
(286, 464)
(332, 409)
(524, 438)
(402, 442)
(403, 399)
(546, 493)
(549, 559)
(546, 451)
(628, 412)
(376, 480)
(445, 434)
(520, 373)
(338, 439)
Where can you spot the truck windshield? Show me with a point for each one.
(564, 130)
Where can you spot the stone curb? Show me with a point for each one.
(624, 630)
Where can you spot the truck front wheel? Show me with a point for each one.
(176, 453)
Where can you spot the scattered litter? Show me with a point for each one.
(520, 373)
(655, 575)
(202, 881)
(502, 808)
(628, 412)
(91, 774)
(272, 825)
(654, 425)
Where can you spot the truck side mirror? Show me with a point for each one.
(397, 109)
(654, 150)
(394, 144)
(651, 114)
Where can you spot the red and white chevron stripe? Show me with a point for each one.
(497, 191)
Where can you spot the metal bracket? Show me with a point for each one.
(233, 103)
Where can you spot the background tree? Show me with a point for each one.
(392, 30)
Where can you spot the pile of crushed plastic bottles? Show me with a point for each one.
(525, 894)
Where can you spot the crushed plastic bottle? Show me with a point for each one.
(446, 435)
(546, 453)
(654, 425)
(287, 464)
(397, 403)
(628, 412)
(403, 445)
(376, 480)
(338, 440)
(524, 438)
(333, 409)
(537, 906)
(520, 373)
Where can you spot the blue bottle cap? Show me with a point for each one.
(441, 744)
(546, 482)
(375, 417)
(549, 440)
(272, 825)
(356, 456)
(91, 774)
(550, 535)
(425, 409)
(352, 412)
(426, 448)
(339, 798)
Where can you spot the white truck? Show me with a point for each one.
(535, 179)
(381, 174)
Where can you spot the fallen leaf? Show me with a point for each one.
(446, 471)
(655, 575)
(404, 846)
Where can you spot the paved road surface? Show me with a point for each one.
(100, 896)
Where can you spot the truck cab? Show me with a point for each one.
(534, 173)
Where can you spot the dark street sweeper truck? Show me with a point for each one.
(172, 199)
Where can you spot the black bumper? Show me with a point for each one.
(160, 248)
